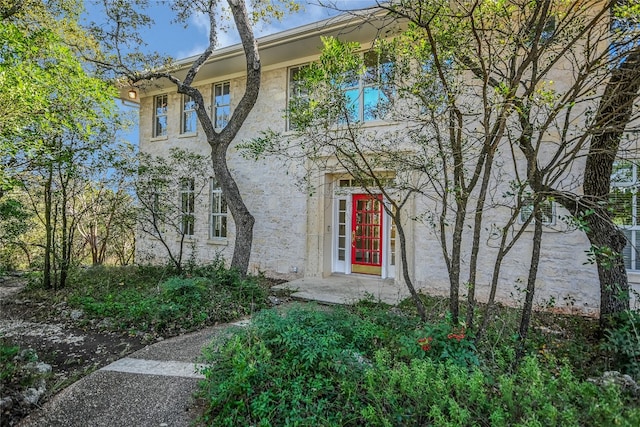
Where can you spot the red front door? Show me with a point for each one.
(366, 234)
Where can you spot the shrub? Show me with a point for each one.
(444, 341)
(320, 366)
(295, 368)
(623, 343)
(152, 300)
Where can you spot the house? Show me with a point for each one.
(331, 226)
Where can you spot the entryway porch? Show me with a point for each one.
(345, 289)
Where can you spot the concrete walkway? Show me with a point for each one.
(345, 289)
(154, 387)
(150, 388)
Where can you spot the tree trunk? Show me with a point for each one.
(48, 246)
(607, 242)
(220, 141)
(242, 218)
(527, 307)
(613, 115)
(405, 267)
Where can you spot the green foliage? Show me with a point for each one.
(17, 370)
(153, 299)
(321, 366)
(8, 368)
(445, 341)
(426, 392)
(294, 368)
(623, 343)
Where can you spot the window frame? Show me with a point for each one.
(216, 107)
(526, 210)
(630, 254)
(218, 212)
(294, 91)
(364, 83)
(360, 84)
(187, 206)
(191, 112)
(158, 114)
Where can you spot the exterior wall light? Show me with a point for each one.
(133, 94)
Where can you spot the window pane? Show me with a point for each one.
(622, 172)
(222, 104)
(621, 206)
(189, 123)
(375, 103)
(626, 252)
(160, 114)
(161, 126)
(352, 105)
(188, 115)
(218, 212)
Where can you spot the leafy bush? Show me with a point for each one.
(292, 368)
(444, 341)
(151, 299)
(319, 366)
(428, 392)
(623, 342)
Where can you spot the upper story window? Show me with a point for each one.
(298, 95)
(221, 104)
(624, 208)
(189, 119)
(160, 115)
(218, 212)
(187, 199)
(362, 95)
(367, 94)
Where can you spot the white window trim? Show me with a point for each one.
(191, 195)
(214, 107)
(360, 87)
(525, 204)
(290, 95)
(183, 113)
(634, 228)
(215, 190)
(156, 115)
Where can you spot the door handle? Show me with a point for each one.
(353, 239)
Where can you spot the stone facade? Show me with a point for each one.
(296, 226)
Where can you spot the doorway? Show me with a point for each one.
(366, 234)
(363, 236)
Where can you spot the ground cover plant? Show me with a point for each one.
(19, 372)
(312, 365)
(158, 300)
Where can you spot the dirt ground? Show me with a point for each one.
(60, 337)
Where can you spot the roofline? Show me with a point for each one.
(333, 23)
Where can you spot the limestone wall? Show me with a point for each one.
(292, 235)
(269, 188)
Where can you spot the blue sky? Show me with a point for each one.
(174, 40)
